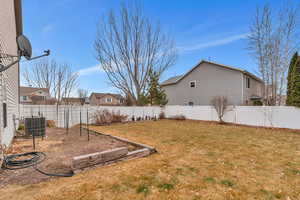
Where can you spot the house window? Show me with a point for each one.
(247, 82)
(4, 115)
(191, 103)
(24, 98)
(193, 84)
(108, 100)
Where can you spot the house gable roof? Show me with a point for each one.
(176, 79)
(26, 91)
(100, 95)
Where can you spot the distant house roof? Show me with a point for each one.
(26, 91)
(100, 95)
(73, 100)
(176, 79)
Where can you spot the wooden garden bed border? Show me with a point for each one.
(143, 152)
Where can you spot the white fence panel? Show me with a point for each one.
(268, 116)
(252, 115)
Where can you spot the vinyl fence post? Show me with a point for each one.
(87, 123)
(80, 121)
(67, 120)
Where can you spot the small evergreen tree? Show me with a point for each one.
(143, 100)
(290, 79)
(156, 95)
(296, 84)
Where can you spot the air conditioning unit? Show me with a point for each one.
(35, 126)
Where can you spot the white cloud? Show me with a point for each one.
(214, 43)
(90, 70)
(47, 28)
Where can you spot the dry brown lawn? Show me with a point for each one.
(196, 160)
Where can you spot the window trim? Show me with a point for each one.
(106, 100)
(248, 85)
(194, 84)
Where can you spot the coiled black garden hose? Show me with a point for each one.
(30, 159)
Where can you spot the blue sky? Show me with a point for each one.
(212, 29)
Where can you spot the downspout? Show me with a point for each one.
(242, 88)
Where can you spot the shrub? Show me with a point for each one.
(106, 117)
(178, 117)
(220, 104)
(21, 127)
(161, 115)
(51, 123)
(257, 103)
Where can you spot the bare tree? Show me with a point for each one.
(220, 104)
(128, 46)
(58, 78)
(272, 41)
(82, 93)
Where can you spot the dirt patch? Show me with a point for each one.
(60, 147)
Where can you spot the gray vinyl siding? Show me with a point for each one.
(211, 81)
(256, 88)
(9, 80)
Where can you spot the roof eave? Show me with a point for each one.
(167, 84)
(18, 17)
(253, 76)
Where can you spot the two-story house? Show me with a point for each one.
(207, 80)
(31, 95)
(106, 99)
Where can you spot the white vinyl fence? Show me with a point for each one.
(268, 116)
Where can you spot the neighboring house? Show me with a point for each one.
(10, 29)
(31, 95)
(73, 101)
(106, 99)
(207, 80)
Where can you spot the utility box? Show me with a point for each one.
(36, 126)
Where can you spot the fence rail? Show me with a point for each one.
(267, 116)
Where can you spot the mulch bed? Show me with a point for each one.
(59, 148)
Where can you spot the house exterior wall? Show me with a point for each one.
(256, 89)
(9, 79)
(211, 81)
(94, 101)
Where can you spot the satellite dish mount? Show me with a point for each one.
(25, 50)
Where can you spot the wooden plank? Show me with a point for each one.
(130, 155)
(98, 157)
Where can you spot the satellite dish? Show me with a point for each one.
(24, 46)
(24, 50)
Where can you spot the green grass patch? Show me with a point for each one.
(209, 179)
(166, 186)
(270, 195)
(144, 189)
(227, 183)
(295, 171)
